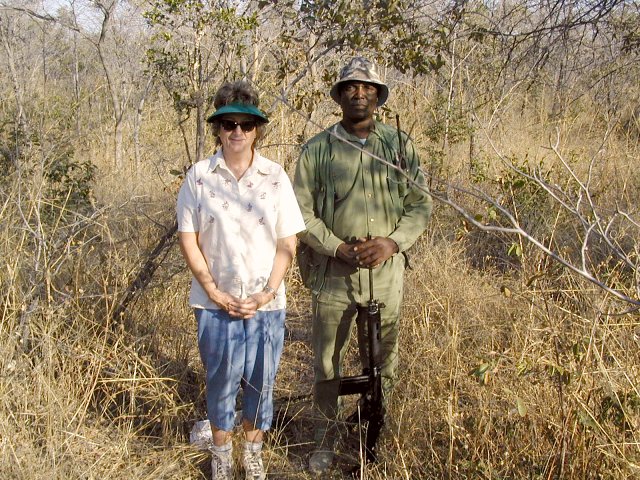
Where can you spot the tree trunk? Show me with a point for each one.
(117, 105)
(137, 123)
(6, 33)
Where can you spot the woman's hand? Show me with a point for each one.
(224, 300)
(247, 307)
(239, 307)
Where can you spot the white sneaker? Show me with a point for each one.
(221, 464)
(253, 468)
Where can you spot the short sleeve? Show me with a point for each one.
(290, 219)
(187, 205)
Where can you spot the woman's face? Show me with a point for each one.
(237, 132)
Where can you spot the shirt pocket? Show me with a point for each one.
(344, 175)
(398, 186)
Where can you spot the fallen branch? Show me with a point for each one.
(145, 274)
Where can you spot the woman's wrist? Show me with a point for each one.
(270, 291)
(261, 298)
(215, 295)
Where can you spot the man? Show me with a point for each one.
(361, 214)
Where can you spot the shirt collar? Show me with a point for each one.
(260, 164)
(338, 129)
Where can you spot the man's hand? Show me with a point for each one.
(372, 253)
(346, 253)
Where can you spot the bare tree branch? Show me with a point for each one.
(445, 191)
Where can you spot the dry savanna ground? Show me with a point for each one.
(511, 367)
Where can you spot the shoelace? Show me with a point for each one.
(253, 465)
(221, 467)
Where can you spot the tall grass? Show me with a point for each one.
(510, 367)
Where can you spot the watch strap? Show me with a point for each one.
(270, 291)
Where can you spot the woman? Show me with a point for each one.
(237, 220)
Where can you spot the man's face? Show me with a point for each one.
(358, 100)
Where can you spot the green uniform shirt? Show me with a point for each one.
(345, 192)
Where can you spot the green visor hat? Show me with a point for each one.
(238, 108)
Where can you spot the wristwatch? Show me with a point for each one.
(270, 291)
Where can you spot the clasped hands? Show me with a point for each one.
(242, 308)
(367, 253)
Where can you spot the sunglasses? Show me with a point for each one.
(230, 125)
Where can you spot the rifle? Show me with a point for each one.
(369, 384)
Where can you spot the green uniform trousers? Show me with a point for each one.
(334, 317)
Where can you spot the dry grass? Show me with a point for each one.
(513, 370)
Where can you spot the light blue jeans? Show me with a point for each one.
(240, 353)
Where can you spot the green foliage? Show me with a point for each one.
(448, 126)
(523, 195)
(190, 37)
(195, 47)
(452, 123)
(516, 190)
(559, 373)
(390, 30)
(70, 180)
(482, 372)
(515, 250)
(620, 409)
(479, 168)
(434, 161)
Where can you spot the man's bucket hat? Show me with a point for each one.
(362, 70)
(239, 108)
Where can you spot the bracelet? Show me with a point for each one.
(270, 291)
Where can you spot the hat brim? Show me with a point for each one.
(245, 108)
(383, 90)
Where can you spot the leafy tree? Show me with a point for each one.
(117, 44)
(195, 45)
